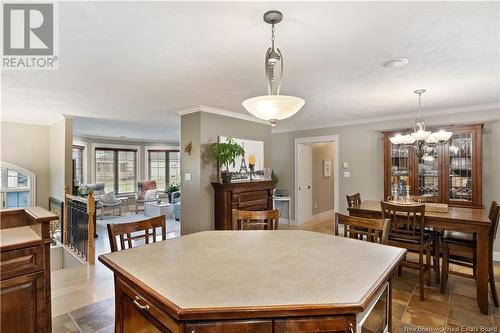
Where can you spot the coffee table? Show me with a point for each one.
(156, 209)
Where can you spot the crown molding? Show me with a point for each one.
(119, 139)
(429, 113)
(221, 112)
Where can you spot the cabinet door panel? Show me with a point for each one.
(231, 327)
(463, 164)
(336, 324)
(429, 176)
(22, 304)
(21, 261)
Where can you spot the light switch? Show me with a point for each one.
(345, 165)
(347, 174)
(187, 176)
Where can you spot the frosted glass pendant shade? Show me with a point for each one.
(420, 135)
(273, 107)
(407, 139)
(442, 135)
(431, 139)
(396, 139)
(399, 139)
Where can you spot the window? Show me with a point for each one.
(117, 169)
(164, 167)
(16, 188)
(78, 165)
(126, 173)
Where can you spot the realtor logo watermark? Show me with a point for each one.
(30, 39)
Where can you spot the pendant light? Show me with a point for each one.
(273, 106)
(420, 139)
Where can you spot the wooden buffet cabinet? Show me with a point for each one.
(248, 195)
(25, 270)
(247, 282)
(449, 173)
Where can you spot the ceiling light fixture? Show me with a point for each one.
(395, 63)
(273, 106)
(420, 139)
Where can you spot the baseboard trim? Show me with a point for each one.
(496, 256)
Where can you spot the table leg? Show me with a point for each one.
(482, 270)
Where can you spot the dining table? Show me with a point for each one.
(461, 219)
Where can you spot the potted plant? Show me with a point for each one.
(226, 153)
(274, 179)
(171, 188)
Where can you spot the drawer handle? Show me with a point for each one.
(142, 307)
(351, 329)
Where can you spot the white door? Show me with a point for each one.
(304, 182)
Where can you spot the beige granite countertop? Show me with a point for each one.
(258, 268)
(17, 235)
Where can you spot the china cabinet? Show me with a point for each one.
(449, 173)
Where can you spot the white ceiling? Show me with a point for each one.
(135, 65)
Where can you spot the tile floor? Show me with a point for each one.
(83, 300)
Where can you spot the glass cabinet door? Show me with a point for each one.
(460, 152)
(400, 169)
(428, 175)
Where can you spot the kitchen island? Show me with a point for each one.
(254, 281)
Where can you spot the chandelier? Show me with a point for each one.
(273, 106)
(420, 139)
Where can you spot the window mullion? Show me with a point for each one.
(115, 167)
(167, 168)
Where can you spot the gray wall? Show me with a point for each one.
(202, 129)
(362, 147)
(190, 212)
(322, 187)
(60, 160)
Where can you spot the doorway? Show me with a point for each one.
(316, 177)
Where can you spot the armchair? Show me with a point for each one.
(97, 188)
(142, 187)
(109, 200)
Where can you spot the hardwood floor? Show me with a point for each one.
(83, 299)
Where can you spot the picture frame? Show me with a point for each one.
(327, 168)
(254, 152)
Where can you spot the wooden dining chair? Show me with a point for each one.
(371, 230)
(133, 231)
(353, 200)
(459, 248)
(254, 219)
(407, 231)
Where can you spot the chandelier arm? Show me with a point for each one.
(278, 86)
(268, 74)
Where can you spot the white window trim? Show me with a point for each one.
(31, 181)
(146, 156)
(95, 145)
(84, 157)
